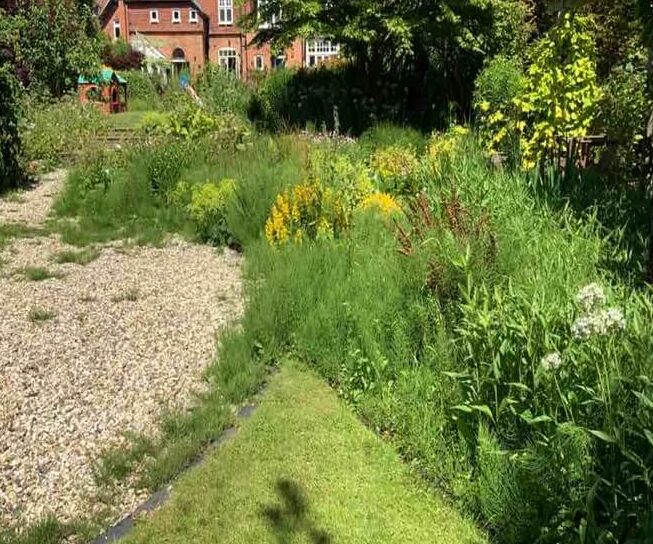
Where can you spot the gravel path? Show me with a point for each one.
(32, 207)
(100, 350)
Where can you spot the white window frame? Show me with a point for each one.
(225, 12)
(259, 62)
(154, 16)
(193, 16)
(228, 53)
(116, 27)
(266, 23)
(279, 61)
(319, 50)
(176, 16)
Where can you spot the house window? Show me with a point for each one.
(320, 50)
(176, 16)
(116, 29)
(279, 61)
(192, 16)
(228, 59)
(154, 16)
(258, 62)
(226, 12)
(268, 20)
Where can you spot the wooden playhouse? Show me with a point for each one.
(107, 90)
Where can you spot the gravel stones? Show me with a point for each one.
(130, 336)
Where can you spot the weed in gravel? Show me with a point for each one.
(117, 463)
(37, 273)
(9, 231)
(39, 315)
(131, 295)
(14, 196)
(49, 531)
(82, 257)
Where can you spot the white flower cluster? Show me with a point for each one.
(596, 321)
(552, 361)
(591, 297)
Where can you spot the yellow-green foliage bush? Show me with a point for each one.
(558, 100)
(444, 147)
(207, 208)
(562, 96)
(498, 87)
(396, 168)
(351, 179)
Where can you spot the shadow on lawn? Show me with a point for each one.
(292, 518)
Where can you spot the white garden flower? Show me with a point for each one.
(584, 327)
(552, 361)
(591, 297)
(603, 323)
(613, 321)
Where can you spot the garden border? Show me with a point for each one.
(123, 527)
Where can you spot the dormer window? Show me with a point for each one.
(226, 12)
(176, 16)
(154, 16)
(192, 16)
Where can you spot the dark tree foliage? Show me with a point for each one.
(10, 172)
(120, 55)
(431, 50)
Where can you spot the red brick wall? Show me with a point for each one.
(192, 37)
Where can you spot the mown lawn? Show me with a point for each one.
(303, 469)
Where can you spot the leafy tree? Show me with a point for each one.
(54, 39)
(384, 37)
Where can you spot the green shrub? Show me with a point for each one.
(386, 135)
(625, 110)
(222, 91)
(10, 146)
(142, 91)
(60, 130)
(497, 86)
(208, 203)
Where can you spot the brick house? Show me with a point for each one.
(190, 33)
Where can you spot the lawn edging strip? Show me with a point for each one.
(119, 530)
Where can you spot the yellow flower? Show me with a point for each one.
(382, 203)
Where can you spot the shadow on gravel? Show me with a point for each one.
(293, 518)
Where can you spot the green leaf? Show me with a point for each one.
(483, 409)
(603, 436)
(649, 436)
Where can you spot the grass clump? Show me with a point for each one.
(38, 273)
(82, 257)
(10, 231)
(130, 295)
(40, 315)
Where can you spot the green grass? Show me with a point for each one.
(128, 119)
(10, 231)
(303, 469)
(39, 315)
(81, 257)
(37, 273)
(130, 295)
